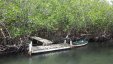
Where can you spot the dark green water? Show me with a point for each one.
(90, 54)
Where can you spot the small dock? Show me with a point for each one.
(54, 47)
(48, 46)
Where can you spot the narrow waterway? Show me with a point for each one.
(90, 54)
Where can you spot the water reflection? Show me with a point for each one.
(91, 54)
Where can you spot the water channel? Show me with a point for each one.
(89, 54)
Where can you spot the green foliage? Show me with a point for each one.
(25, 16)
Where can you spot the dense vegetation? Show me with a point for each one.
(26, 16)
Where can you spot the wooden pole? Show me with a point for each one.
(65, 40)
(30, 48)
(71, 42)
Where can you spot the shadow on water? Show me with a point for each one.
(90, 54)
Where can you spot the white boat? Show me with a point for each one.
(79, 43)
